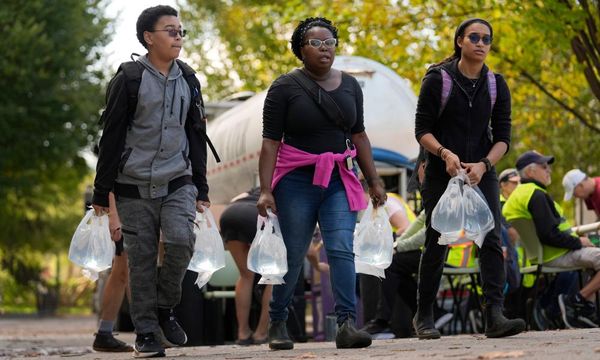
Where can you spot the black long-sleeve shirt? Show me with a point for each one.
(290, 113)
(462, 128)
(547, 219)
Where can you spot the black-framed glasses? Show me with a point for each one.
(316, 43)
(475, 37)
(173, 32)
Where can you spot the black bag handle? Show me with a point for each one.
(322, 98)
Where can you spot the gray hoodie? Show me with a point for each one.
(156, 146)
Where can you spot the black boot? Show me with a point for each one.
(348, 337)
(424, 324)
(278, 336)
(496, 325)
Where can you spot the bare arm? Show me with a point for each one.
(476, 170)
(432, 145)
(364, 158)
(266, 167)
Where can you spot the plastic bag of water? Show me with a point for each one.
(91, 246)
(268, 255)
(448, 215)
(374, 241)
(209, 253)
(478, 217)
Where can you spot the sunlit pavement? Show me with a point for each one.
(71, 337)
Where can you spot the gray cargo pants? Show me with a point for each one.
(141, 221)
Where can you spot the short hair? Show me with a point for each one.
(523, 172)
(304, 26)
(148, 19)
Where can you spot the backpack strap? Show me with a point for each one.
(133, 78)
(446, 90)
(190, 77)
(492, 88)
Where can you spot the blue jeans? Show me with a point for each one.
(300, 204)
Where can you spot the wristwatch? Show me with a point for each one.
(488, 164)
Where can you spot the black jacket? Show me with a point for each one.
(547, 220)
(461, 128)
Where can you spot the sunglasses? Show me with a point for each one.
(474, 38)
(174, 32)
(316, 43)
(508, 176)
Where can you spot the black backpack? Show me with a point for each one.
(132, 70)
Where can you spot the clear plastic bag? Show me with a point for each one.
(478, 217)
(268, 255)
(91, 246)
(209, 253)
(374, 241)
(448, 215)
(462, 213)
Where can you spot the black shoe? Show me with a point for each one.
(425, 327)
(376, 326)
(146, 346)
(278, 336)
(348, 337)
(172, 331)
(497, 326)
(106, 342)
(576, 314)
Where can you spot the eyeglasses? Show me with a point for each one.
(173, 32)
(475, 37)
(316, 43)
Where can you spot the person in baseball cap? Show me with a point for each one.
(533, 157)
(578, 184)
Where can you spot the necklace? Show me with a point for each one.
(474, 81)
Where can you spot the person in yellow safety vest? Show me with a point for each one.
(562, 248)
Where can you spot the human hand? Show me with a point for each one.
(114, 226)
(585, 242)
(100, 210)
(474, 171)
(452, 162)
(377, 194)
(200, 204)
(266, 201)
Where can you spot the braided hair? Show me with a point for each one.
(306, 24)
(460, 32)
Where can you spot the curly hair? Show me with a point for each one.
(148, 19)
(304, 26)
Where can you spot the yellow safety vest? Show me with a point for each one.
(516, 207)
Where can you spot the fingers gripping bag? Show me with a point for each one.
(374, 242)
(209, 253)
(268, 255)
(448, 215)
(91, 246)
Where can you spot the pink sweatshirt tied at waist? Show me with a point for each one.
(290, 158)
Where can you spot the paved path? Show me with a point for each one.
(71, 337)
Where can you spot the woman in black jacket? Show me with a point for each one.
(466, 133)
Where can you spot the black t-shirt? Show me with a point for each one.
(290, 113)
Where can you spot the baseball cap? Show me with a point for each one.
(510, 174)
(571, 179)
(531, 157)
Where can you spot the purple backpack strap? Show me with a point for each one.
(446, 90)
(492, 88)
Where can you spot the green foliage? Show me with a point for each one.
(554, 108)
(49, 111)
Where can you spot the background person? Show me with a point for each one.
(238, 227)
(309, 177)
(577, 183)
(114, 290)
(456, 138)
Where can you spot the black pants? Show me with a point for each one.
(399, 279)
(491, 260)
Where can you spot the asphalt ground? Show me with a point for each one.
(72, 337)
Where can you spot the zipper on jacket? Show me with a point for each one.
(181, 112)
(470, 98)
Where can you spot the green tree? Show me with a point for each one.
(547, 50)
(51, 96)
